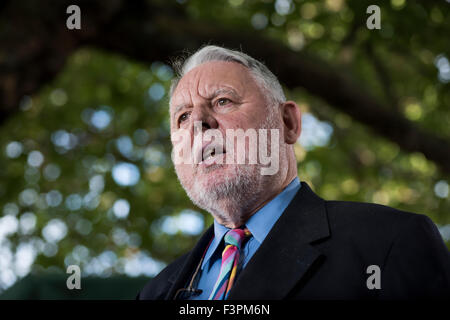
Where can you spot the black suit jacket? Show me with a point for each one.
(321, 250)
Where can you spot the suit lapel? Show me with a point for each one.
(286, 254)
(179, 280)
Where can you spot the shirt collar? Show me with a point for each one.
(261, 222)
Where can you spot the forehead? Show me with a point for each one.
(204, 79)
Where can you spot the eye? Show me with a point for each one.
(183, 117)
(223, 101)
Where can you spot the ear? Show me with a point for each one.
(292, 121)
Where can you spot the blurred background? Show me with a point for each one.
(85, 170)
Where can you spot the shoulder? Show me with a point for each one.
(414, 260)
(374, 228)
(357, 220)
(369, 216)
(158, 287)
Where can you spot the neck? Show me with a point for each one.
(237, 216)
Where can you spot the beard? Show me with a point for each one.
(229, 196)
(228, 191)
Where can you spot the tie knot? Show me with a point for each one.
(236, 236)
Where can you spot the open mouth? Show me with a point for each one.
(211, 151)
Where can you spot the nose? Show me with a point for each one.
(201, 115)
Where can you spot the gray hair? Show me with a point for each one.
(262, 75)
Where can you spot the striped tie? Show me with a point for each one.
(230, 258)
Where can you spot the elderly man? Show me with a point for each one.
(272, 237)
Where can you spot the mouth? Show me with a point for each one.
(211, 152)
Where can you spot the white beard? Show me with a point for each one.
(233, 196)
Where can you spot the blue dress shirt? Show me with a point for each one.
(259, 225)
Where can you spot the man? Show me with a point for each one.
(272, 237)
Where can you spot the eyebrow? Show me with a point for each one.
(179, 107)
(224, 90)
(215, 94)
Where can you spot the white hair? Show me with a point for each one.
(263, 76)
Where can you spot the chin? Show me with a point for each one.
(214, 177)
(223, 189)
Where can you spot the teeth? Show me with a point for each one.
(210, 151)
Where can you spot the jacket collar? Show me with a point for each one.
(286, 254)
(283, 258)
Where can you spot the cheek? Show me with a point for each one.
(240, 121)
(185, 172)
(251, 116)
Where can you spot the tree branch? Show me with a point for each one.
(383, 77)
